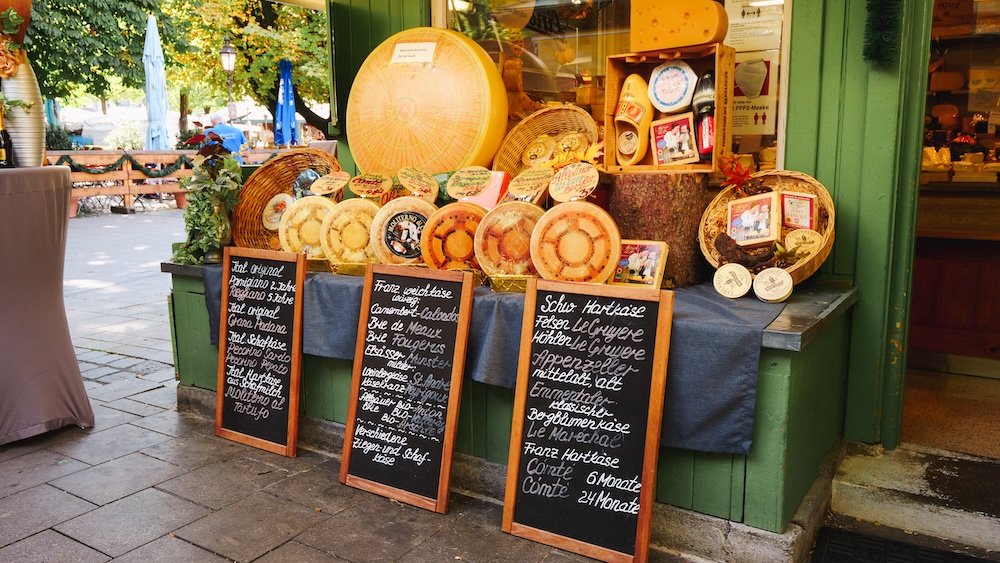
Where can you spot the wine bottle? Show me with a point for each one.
(6, 146)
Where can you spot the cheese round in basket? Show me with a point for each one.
(397, 227)
(576, 241)
(503, 239)
(346, 231)
(274, 209)
(426, 97)
(331, 185)
(418, 183)
(447, 240)
(574, 182)
(804, 242)
(300, 228)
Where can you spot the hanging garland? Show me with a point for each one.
(882, 31)
(182, 162)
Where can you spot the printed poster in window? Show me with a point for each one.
(755, 95)
(753, 28)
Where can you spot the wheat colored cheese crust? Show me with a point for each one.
(397, 228)
(301, 226)
(503, 240)
(447, 242)
(576, 241)
(347, 232)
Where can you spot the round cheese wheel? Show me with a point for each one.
(331, 185)
(539, 151)
(530, 185)
(576, 241)
(773, 285)
(503, 240)
(426, 97)
(274, 209)
(671, 86)
(574, 182)
(732, 280)
(347, 231)
(803, 241)
(396, 230)
(447, 240)
(301, 226)
(418, 183)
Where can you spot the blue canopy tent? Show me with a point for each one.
(157, 137)
(285, 131)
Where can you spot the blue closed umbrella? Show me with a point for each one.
(284, 119)
(156, 89)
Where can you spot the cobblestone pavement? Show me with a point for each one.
(151, 484)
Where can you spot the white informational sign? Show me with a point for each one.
(754, 25)
(413, 52)
(755, 95)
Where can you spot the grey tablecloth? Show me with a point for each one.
(40, 384)
(712, 369)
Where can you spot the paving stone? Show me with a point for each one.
(146, 367)
(133, 521)
(251, 527)
(176, 423)
(224, 482)
(109, 444)
(167, 374)
(121, 389)
(91, 386)
(33, 510)
(105, 417)
(195, 450)
(375, 530)
(134, 407)
(35, 468)
(85, 366)
(97, 372)
(164, 397)
(303, 461)
(115, 479)
(49, 546)
(93, 356)
(169, 549)
(116, 376)
(125, 363)
(319, 487)
(295, 551)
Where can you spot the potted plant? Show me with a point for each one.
(213, 191)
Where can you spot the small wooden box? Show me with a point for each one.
(717, 57)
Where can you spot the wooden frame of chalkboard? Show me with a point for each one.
(268, 368)
(595, 356)
(404, 405)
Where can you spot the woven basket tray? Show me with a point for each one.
(713, 221)
(274, 177)
(553, 121)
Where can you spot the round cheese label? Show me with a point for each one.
(274, 209)
(529, 184)
(418, 183)
(402, 233)
(574, 182)
(803, 241)
(773, 285)
(732, 280)
(468, 182)
(396, 230)
(370, 186)
(572, 143)
(671, 86)
(332, 183)
(538, 151)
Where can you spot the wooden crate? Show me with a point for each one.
(701, 58)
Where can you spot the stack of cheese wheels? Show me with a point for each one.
(429, 98)
(346, 232)
(503, 239)
(576, 241)
(396, 230)
(447, 240)
(301, 226)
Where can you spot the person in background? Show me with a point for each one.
(232, 138)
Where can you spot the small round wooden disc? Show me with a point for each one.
(572, 143)
(803, 241)
(576, 241)
(396, 230)
(503, 240)
(574, 182)
(274, 209)
(529, 184)
(331, 184)
(347, 231)
(418, 183)
(301, 226)
(468, 182)
(732, 280)
(773, 285)
(371, 186)
(538, 151)
(447, 242)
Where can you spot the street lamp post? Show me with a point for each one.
(227, 55)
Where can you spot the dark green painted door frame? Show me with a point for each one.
(858, 128)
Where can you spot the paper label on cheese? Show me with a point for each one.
(798, 211)
(418, 182)
(671, 86)
(331, 183)
(526, 185)
(468, 182)
(413, 52)
(370, 186)
(574, 182)
(631, 111)
(402, 234)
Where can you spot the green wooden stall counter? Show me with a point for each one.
(799, 409)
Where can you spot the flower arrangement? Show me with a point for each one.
(10, 59)
(213, 191)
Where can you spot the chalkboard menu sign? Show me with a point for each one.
(407, 383)
(587, 412)
(260, 350)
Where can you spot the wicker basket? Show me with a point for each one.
(713, 221)
(554, 120)
(274, 177)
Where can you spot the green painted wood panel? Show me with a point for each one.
(197, 360)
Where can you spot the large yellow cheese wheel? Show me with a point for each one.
(429, 98)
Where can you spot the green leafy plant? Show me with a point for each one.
(10, 22)
(213, 189)
(57, 139)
